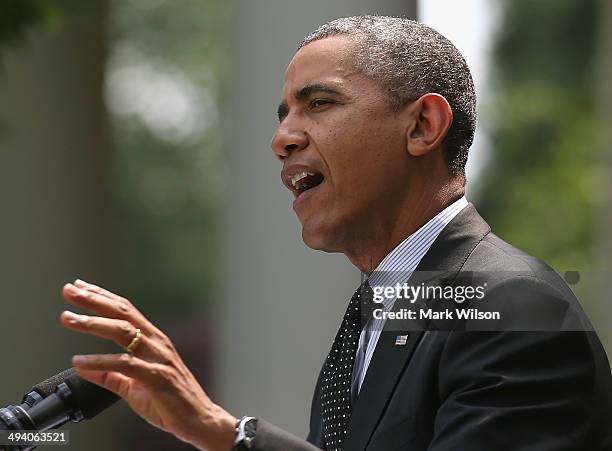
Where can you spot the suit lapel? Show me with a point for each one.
(448, 253)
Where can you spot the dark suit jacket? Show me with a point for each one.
(474, 390)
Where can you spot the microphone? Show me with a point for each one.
(46, 387)
(55, 401)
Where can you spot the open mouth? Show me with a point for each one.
(303, 181)
(300, 178)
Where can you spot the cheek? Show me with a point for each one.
(364, 154)
(359, 150)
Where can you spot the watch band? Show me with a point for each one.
(246, 427)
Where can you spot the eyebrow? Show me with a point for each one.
(304, 93)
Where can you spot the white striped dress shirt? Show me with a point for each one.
(397, 267)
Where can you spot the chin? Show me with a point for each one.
(320, 237)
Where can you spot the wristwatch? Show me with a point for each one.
(245, 433)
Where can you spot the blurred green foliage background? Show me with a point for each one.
(167, 171)
(544, 187)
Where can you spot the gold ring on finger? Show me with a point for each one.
(135, 342)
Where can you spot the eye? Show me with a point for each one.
(317, 103)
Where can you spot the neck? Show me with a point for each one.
(374, 244)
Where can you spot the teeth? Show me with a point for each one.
(299, 176)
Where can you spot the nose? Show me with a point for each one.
(287, 140)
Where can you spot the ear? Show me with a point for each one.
(431, 118)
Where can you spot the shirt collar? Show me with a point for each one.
(398, 265)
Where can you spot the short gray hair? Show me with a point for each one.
(410, 59)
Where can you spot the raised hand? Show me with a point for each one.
(152, 378)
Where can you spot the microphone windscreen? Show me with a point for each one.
(46, 387)
(89, 398)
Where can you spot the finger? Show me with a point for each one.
(112, 381)
(119, 331)
(104, 306)
(97, 289)
(128, 365)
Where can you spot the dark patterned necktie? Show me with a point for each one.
(337, 372)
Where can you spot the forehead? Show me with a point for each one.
(324, 60)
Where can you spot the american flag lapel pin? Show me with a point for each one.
(401, 340)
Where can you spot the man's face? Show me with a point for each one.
(343, 149)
